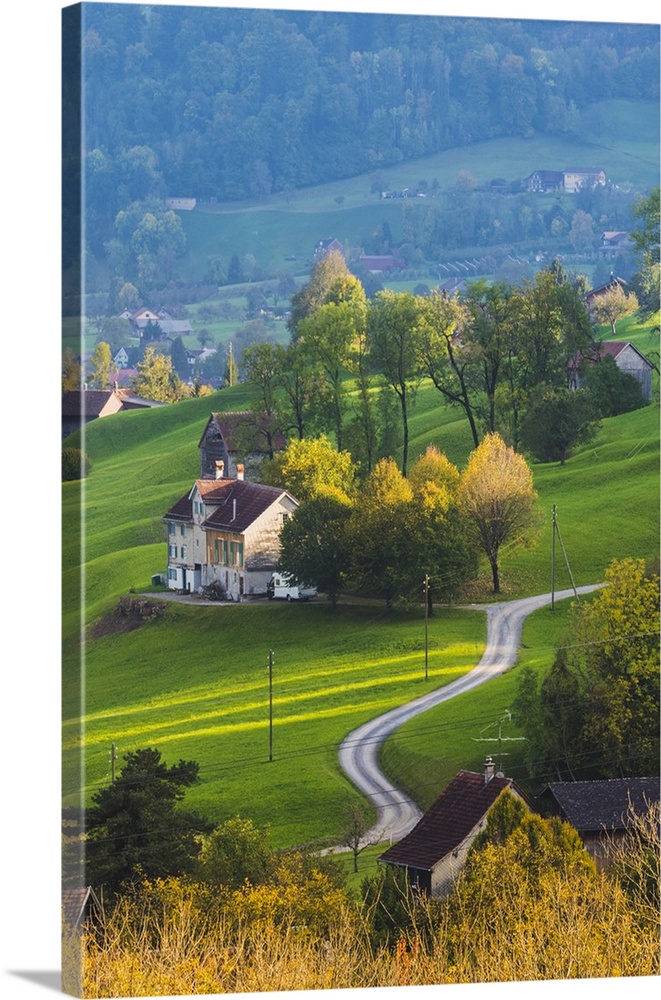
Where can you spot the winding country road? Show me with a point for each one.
(396, 813)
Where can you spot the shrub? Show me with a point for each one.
(75, 464)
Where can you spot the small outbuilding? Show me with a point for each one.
(601, 811)
(433, 853)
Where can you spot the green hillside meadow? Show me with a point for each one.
(194, 682)
(620, 136)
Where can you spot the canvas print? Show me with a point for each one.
(360, 451)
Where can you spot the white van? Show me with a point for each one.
(280, 586)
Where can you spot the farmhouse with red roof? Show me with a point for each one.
(226, 530)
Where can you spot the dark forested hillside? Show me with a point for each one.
(233, 104)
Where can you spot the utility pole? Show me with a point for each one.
(553, 558)
(270, 704)
(426, 627)
(556, 531)
(113, 758)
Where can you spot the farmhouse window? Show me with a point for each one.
(215, 550)
(171, 528)
(239, 549)
(183, 529)
(172, 551)
(232, 554)
(224, 552)
(183, 551)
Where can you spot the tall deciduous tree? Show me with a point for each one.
(261, 366)
(556, 421)
(307, 466)
(442, 356)
(613, 305)
(498, 500)
(379, 544)
(315, 293)
(393, 331)
(155, 377)
(437, 545)
(326, 337)
(101, 366)
(315, 544)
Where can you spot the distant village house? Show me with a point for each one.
(570, 180)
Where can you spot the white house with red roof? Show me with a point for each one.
(226, 531)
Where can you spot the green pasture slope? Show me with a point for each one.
(620, 136)
(195, 683)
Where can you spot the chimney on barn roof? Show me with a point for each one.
(489, 769)
(220, 469)
(240, 470)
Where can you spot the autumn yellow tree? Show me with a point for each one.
(615, 304)
(498, 500)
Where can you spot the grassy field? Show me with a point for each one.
(194, 682)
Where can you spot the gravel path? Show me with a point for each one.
(396, 813)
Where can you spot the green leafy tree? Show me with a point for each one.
(596, 712)
(316, 543)
(612, 390)
(393, 326)
(443, 358)
(556, 421)
(327, 336)
(497, 498)
(302, 388)
(491, 345)
(438, 544)
(316, 291)
(377, 540)
(645, 237)
(134, 827)
(234, 853)
(553, 326)
(261, 363)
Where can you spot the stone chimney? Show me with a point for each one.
(220, 469)
(489, 769)
(240, 470)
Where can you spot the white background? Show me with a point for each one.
(30, 464)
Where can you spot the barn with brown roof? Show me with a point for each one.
(236, 436)
(434, 852)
